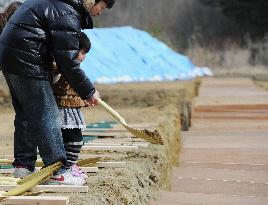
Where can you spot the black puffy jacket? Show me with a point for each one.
(40, 29)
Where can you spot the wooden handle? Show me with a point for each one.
(112, 111)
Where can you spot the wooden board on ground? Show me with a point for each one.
(120, 140)
(250, 115)
(223, 133)
(175, 198)
(225, 156)
(209, 110)
(51, 188)
(233, 92)
(223, 141)
(85, 169)
(219, 164)
(120, 128)
(242, 176)
(107, 134)
(226, 125)
(226, 165)
(125, 148)
(110, 130)
(220, 128)
(229, 91)
(103, 155)
(195, 185)
(228, 108)
(37, 200)
(138, 125)
(86, 156)
(140, 144)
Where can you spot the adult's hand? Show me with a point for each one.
(93, 100)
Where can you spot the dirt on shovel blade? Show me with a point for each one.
(154, 135)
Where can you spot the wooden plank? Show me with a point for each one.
(112, 148)
(231, 115)
(85, 156)
(119, 127)
(229, 166)
(37, 200)
(119, 130)
(183, 198)
(231, 91)
(200, 185)
(237, 128)
(208, 155)
(138, 125)
(222, 141)
(233, 111)
(220, 174)
(8, 156)
(219, 108)
(11, 171)
(120, 140)
(107, 134)
(51, 188)
(87, 169)
(232, 124)
(140, 144)
(6, 171)
(103, 155)
(223, 133)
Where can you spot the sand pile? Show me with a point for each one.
(146, 172)
(149, 170)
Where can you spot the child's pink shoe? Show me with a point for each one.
(76, 171)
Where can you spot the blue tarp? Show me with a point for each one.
(126, 54)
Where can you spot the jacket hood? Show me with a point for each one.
(87, 22)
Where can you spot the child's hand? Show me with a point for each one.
(93, 100)
(56, 78)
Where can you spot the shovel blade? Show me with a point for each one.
(142, 135)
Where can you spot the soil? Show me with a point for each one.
(166, 105)
(149, 170)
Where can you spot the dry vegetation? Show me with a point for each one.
(262, 82)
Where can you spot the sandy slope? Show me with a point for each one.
(148, 170)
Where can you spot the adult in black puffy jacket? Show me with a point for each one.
(37, 31)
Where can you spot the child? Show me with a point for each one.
(69, 104)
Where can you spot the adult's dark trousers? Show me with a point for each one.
(37, 122)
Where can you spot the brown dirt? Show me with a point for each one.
(147, 171)
(262, 83)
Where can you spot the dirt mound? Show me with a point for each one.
(148, 170)
(147, 94)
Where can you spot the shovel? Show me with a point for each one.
(153, 137)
